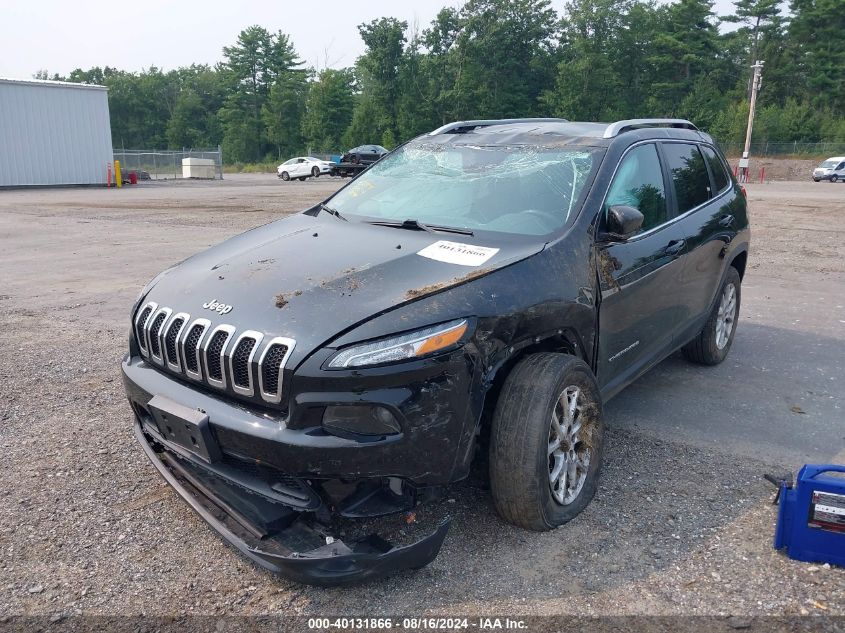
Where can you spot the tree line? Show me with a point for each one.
(599, 60)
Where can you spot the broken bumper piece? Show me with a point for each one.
(279, 540)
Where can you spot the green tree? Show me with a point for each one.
(590, 74)
(686, 46)
(256, 61)
(194, 121)
(378, 69)
(283, 112)
(816, 52)
(328, 109)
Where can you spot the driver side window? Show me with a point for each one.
(639, 183)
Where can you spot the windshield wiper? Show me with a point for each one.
(416, 225)
(332, 211)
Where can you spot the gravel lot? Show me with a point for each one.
(681, 524)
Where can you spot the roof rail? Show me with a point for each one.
(615, 129)
(459, 127)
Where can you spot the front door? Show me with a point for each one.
(639, 279)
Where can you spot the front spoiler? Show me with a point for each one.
(332, 564)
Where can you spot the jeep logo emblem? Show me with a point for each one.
(221, 308)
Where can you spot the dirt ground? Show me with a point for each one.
(778, 169)
(681, 523)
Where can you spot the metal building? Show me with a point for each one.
(53, 133)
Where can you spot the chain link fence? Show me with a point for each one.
(795, 149)
(164, 164)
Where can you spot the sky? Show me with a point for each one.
(60, 35)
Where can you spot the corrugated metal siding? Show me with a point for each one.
(53, 133)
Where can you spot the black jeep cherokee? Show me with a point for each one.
(488, 284)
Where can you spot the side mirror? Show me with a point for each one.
(622, 222)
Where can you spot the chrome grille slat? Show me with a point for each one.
(154, 330)
(241, 359)
(214, 352)
(191, 347)
(172, 335)
(272, 365)
(141, 326)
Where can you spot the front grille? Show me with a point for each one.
(215, 366)
(155, 330)
(140, 325)
(214, 354)
(170, 340)
(240, 363)
(191, 352)
(271, 367)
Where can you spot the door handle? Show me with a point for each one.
(726, 221)
(674, 247)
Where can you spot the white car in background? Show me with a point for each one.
(303, 166)
(832, 169)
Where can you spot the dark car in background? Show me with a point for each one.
(312, 386)
(363, 154)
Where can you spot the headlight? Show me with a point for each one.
(404, 347)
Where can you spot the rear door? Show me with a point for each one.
(704, 203)
(639, 279)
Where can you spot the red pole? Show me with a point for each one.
(762, 174)
(736, 170)
(108, 174)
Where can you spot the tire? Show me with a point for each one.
(284, 176)
(521, 468)
(816, 179)
(302, 178)
(315, 171)
(711, 345)
(834, 178)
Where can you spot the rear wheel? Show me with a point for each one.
(284, 176)
(713, 343)
(546, 442)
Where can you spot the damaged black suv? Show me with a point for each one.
(484, 288)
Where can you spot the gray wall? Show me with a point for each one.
(53, 133)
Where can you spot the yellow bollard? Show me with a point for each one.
(117, 177)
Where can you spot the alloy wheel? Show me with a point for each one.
(726, 316)
(569, 455)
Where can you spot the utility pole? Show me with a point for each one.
(756, 80)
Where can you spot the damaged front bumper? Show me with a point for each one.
(283, 540)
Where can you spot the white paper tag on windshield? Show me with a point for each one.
(456, 253)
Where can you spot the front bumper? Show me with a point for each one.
(300, 550)
(437, 403)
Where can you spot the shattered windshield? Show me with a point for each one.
(526, 190)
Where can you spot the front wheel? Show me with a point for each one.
(302, 178)
(284, 176)
(816, 179)
(712, 344)
(834, 178)
(546, 442)
(315, 171)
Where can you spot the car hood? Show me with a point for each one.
(312, 278)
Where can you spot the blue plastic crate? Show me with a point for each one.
(811, 517)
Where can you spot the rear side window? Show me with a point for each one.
(639, 183)
(717, 168)
(689, 175)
